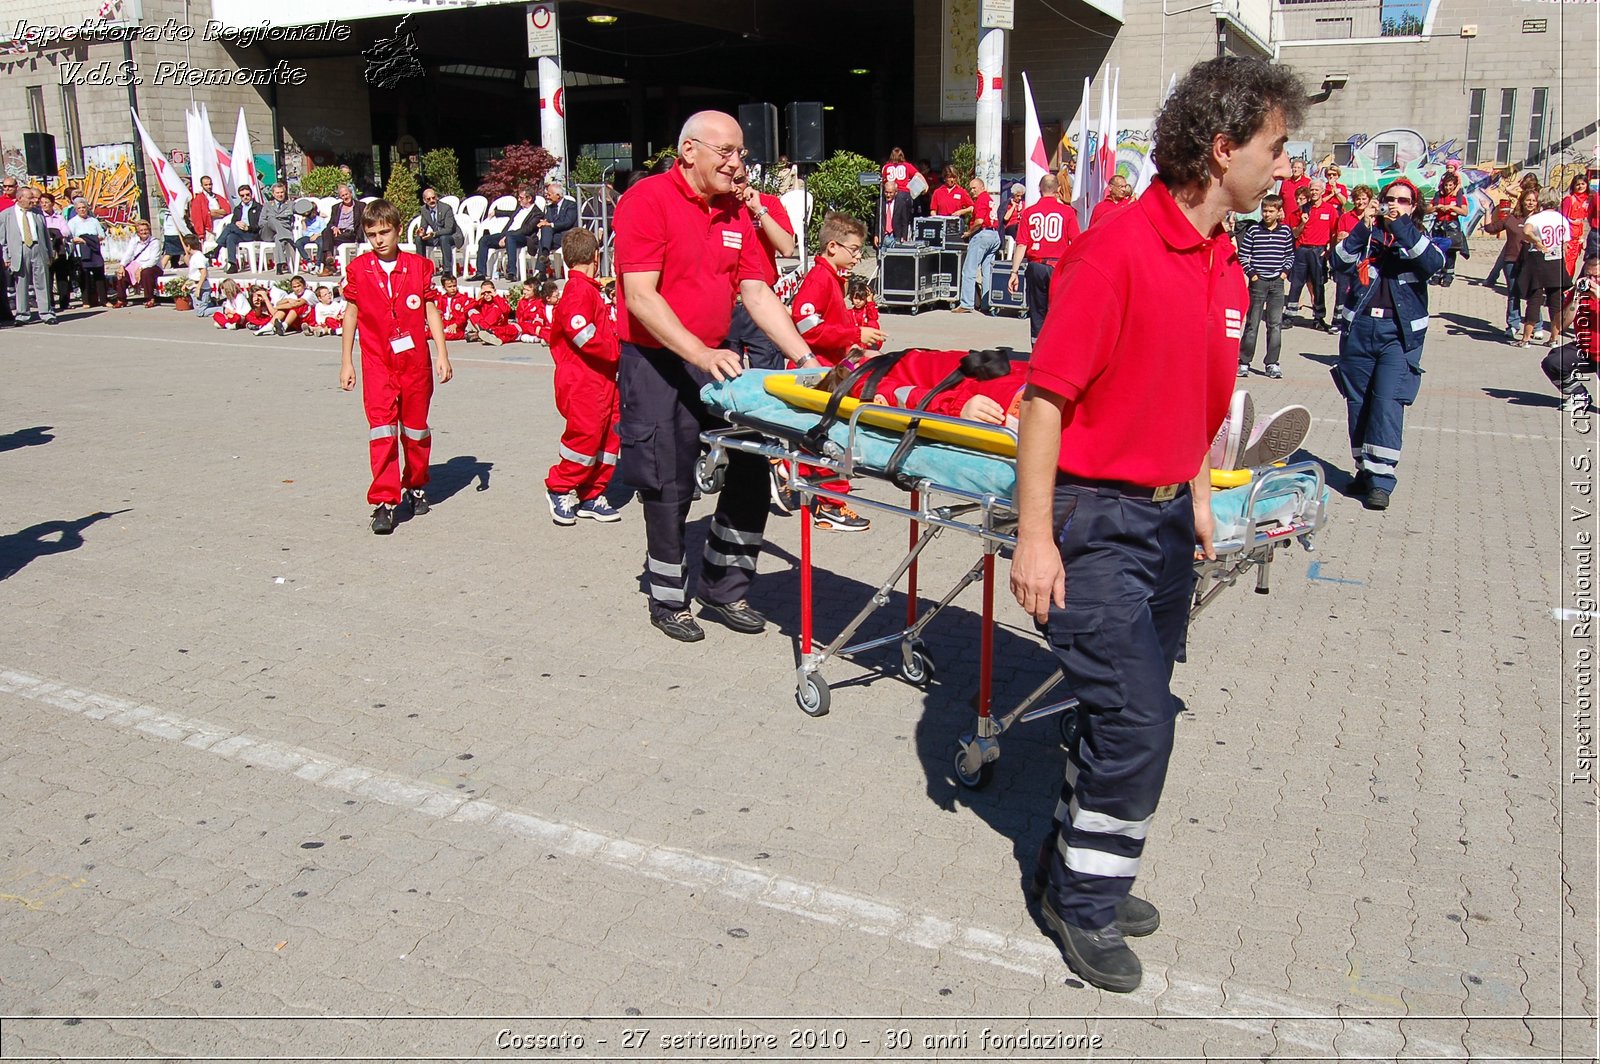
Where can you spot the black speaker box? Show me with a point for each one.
(760, 124)
(805, 132)
(40, 151)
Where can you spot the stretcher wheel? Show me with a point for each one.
(916, 667)
(972, 778)
(813, 696)
(707, 477)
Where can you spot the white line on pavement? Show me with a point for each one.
(517, 361)
(1446, 428)
(1297, 1022)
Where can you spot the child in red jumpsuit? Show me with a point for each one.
(536, 312)
(453, 305)
(583, 343)
(491, 316)
(384, 292)
(825, 321)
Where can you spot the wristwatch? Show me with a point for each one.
(760, 213)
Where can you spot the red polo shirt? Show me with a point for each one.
(900, 173)
(1046, 229)
(1321, 221)
(1291, 207)
(1142, 340)
(983, 211)
(1108, 206)
(946, 200)
(702, 249)
(770, 253)
(390, 304)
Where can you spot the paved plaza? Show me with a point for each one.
(263, 770)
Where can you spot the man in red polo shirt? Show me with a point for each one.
(1112, 501)
(1119, 194)
(685, 247)
(1290, 188)
(1313, 237)
(775, 233)
(1044, 232)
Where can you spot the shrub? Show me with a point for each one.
(586, 170)
(443, 171)
(965, 159)
(836, 186)
(321, 181)
(519, 166)
(402, 191)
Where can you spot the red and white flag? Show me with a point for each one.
(243, 166)
(172, 189)
(1038, 163)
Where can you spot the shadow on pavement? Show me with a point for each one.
(1477, 328)
(30, 437)
(452, 477)
(20, 548)
(1520, 398)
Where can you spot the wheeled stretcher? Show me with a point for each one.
(960, 476)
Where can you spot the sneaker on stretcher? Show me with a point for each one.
(1234, 435)
(1276, 437)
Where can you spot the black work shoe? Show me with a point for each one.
(383, 519)
(1135, 917)
(1377, 499)
(738, 615)
(418, 500)
(681, 626)
(1361, 484)
(1100, 957)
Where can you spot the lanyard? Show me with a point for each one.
(388, 282)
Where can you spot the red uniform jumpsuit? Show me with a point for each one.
(534, 318)
(494, 316)
(583, 343)
(453, 314)
(396, 374)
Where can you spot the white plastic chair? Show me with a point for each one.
(257, 250)
(474, 207)
(410, 242)
(453, 202)
(503, 205)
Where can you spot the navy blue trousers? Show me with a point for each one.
(1378, 379)
(1130, 579)
(662, 418)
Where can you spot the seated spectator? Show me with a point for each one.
(524, 223)
(260, 312)
(560, 215)
(289, 312)
(490, 317)
(536, 312)
(344, 227)
(437, 231)
(277, 226)
(235, 306)
(206, 209)
(141, 266)
(453, 305)
(1013, 212)
(327, 314)
(311, 237)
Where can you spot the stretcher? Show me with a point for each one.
(960, 477)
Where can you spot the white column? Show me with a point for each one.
(553, 112)
(991, 96)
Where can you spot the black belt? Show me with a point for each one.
(1165, 493)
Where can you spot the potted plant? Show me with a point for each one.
(178, 288)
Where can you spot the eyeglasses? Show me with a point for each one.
(853, 249)
(723, 152)
(1404, 201)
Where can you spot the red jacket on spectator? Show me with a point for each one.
(453, 313)
(533, 318)
(493, 315)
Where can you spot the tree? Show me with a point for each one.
(965, 160)
(586, 170)
(402, 191)
(443, 171)
(836, 186)
(1407, 25)
(519, 166)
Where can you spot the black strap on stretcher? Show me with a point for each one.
(987, 365)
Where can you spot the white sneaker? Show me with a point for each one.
(267, 330)
(1234, 434)
(1276, 436)
(1541, 335)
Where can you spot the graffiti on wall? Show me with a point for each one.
(1132, 145)
(109, 180)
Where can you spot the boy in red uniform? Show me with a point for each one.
(491, 317)
(384, 292)
(583, 343)
(536, 312)
(823, 320)
(453, 305)
(1044, 232)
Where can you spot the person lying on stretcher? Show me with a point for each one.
(1242, 443)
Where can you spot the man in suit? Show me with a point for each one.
(897, 208)
(25, 243)
(243, 225)
(437, 228)
(277, 225)
(516, 236)
(560, 215)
